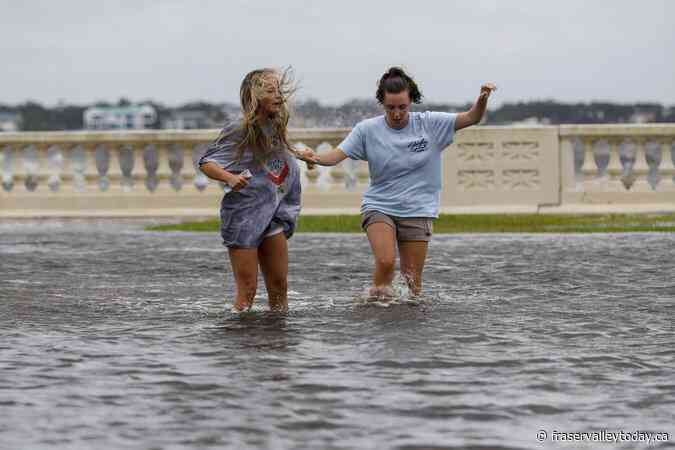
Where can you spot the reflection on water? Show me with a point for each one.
(111, 337)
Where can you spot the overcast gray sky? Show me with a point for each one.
(178, 51)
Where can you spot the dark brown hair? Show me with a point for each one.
(395, 80)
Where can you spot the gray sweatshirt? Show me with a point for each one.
(270, 200)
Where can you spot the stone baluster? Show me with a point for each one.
(666, 168)
(200, 181)
(34, 158)
(176, 163)
(7, 168)
(85, 171)
(19, 174)
(640, 168)
(92, 172)
(151, 164)
(66, 175)
(102, 162)
(164, 170)
(187, 172)
(326, 178)
(614, 166)
(55, 166)
(140, 174)
(590, 167)
(76, 167)
(338, 175)
(124, 153)
(115, 173)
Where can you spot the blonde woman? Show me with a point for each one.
(261, 204)
(403, 150)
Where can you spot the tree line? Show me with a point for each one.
(311, 113)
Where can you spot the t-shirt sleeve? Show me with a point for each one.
(354, 145)
(441, 125)
(223, 150)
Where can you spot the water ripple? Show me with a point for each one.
(111, 337)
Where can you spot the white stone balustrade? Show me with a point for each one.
(578, 168)
(625, 168)
(142, 173)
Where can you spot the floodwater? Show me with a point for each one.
(113, 337)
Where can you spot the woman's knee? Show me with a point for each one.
(385, 263)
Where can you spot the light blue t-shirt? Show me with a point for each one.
(405, 165)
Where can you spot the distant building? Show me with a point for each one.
(190, 120)
(231, 110)
(643, 117)
(532, 122)
(10, 121)
(133, 117)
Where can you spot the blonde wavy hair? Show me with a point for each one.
(254, 88)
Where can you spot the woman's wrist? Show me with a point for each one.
(226, 177)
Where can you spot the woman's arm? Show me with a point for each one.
(325, 159)
(475, 114)
(215, 172)
(330, 158)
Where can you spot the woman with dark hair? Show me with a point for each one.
(262, 194)
(403, 150)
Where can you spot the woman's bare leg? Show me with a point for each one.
(382, 238)
(273, 257)
(245, 269)
(413, 256)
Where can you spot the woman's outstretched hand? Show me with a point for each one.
(307, 156)
(477, 111)
(486, 90)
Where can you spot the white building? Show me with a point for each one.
(643, 117)
(190, 120)
(531, 122)
(10, 121)
(135, 117)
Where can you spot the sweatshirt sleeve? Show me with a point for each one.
(223, 150)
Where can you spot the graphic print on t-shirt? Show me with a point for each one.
(277, 170)
(418, 145)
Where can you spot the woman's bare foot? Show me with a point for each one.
(240, 307)
(279, 309)
(381, 293)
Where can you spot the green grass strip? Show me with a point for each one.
(479, 223)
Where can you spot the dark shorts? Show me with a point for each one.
(406, 228)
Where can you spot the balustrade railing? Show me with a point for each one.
(618, 165)
(572, 168)
(134, 173)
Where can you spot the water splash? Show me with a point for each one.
(399, 293)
